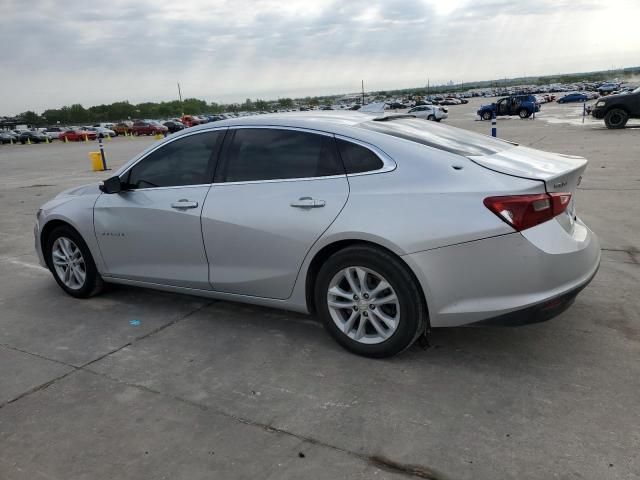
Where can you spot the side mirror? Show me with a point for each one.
(111, 185)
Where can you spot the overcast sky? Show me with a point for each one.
(57, 53)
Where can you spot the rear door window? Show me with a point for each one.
(270, 154)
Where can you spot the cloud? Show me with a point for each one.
(232, 49)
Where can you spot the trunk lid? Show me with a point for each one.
(559, 172)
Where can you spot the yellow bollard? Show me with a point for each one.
(66, 139)
(46, 139)
(159, 136)
(28, 141)
(86, 139)
(108, 137)
(96, 161)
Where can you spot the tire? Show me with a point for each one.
(407, 312)
(431, 118)
(616, 118)
(438, 120)
(486, 115)
(524, 113)
(92, 284)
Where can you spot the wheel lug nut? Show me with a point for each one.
(365, 314)
(355, 308)
(355, 297)
(372, 306)
(365, 296)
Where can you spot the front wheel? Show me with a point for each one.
(616, 118)
(369, 302)
(524, 113)
(486, 116)
(431, 117)
(71, 263)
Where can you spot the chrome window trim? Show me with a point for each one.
(388, 164)
(166, 188)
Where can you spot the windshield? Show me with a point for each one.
(449, 139)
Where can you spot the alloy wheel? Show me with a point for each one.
(68, 263)
(363, 305)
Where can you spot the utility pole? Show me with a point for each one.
(363, 93)
(180, 96)
(427, 87)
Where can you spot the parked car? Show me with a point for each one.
(101, 132)
(174, 126)
(6, 136)
(429, 112)
(33, 136)
(122, 128)
(573, 97)
(468, 229)
(396, 105)
(54, 132)
(77, 135)
(190, 120)
(147, 128)
(618, 109)
(522, 105)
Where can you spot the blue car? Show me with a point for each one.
(521, 105)
(573, 97)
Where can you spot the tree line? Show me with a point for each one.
(119, 111)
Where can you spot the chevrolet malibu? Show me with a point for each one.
(382, 227)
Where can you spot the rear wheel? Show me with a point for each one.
(616, 118)
(71, 263)
(369, 302)
(486, 115)
(431, 117)
(524, 113)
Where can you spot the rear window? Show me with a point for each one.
(449, 139)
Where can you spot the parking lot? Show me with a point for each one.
(137, 384)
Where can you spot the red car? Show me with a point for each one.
(76, 135)
(147, 128)
(190, 120)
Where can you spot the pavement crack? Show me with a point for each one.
(38, 388)
(147, 335)
(407, 469)
(379, 461)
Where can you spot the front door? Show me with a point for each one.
(276, 191)
(151, 231)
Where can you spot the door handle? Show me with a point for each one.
(184, 204)
(307, 202)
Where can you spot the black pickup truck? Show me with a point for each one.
(617, 109)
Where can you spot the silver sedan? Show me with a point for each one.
(381, 227)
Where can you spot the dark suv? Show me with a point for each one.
(618, 109)
(521, 105)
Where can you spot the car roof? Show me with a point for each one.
(332, 121)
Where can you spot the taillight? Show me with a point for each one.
(526, 211)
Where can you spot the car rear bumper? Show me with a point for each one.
(513, 277)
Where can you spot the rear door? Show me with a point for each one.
(276, 191)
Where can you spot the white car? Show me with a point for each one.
(429, 112)
(101, 132)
